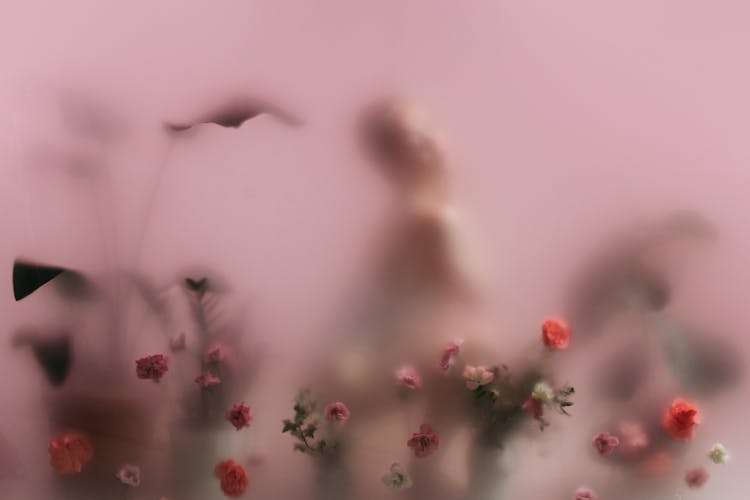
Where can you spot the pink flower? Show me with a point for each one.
(207, 379)
(217, 353)
(130, 475)
(408, 376)
(695, 478)
(69, 452)
(477, 376)
(450, 353)
(337, 412)
(633, 436)
(239, 416)
(584, 493)
(424, 442)
(605, 443)
(533, 407)
(151, 367)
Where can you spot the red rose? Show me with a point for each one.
(424, 442)
(151, 367)
(233, 478)
(555, 334)
(239, 416)
(69, 452)
(681, 419)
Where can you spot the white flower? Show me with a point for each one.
(477, 376)
(718, 454)
(543, 392)
(397, 479)
(130, 475)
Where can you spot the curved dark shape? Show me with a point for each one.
(54, 356)
(234, 113)
(53, 353)
(28, 276)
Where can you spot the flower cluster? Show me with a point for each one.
(151, 367)
(544, 395)
(306, 424)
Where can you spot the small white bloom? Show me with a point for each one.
(718, 454)
(397, 479)
(543, 392)
(130, 475)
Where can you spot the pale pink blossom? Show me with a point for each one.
(408, 376)
(584, 493)
(633, 437)
(217, 353)
(130, 475)
(477, 376)
(695, 478)
(450, 353)
(207, 379)
(337, 413)
(605, 443)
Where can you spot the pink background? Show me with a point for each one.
(565, 120)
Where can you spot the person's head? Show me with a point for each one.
(397, 136)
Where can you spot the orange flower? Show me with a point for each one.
(555, 334)
(681, 418)
(233, 478)
(69, 452)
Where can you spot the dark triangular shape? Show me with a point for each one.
(54, 358)
(27, 277)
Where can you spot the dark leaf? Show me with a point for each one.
(52, 353)
(27, 277)
(288, 426)
(236, 112)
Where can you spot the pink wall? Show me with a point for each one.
(566, 120)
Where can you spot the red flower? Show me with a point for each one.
(681, 419)
(337, 412)
(555, 334)
(151, 367)
(239, 416)
(217, 353)
(233, 478)
(69, 452)
(424, 442)
(605, 443)
(533, 407)
(695, 478)
(207, 379)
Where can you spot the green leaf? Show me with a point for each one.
(288, 426)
